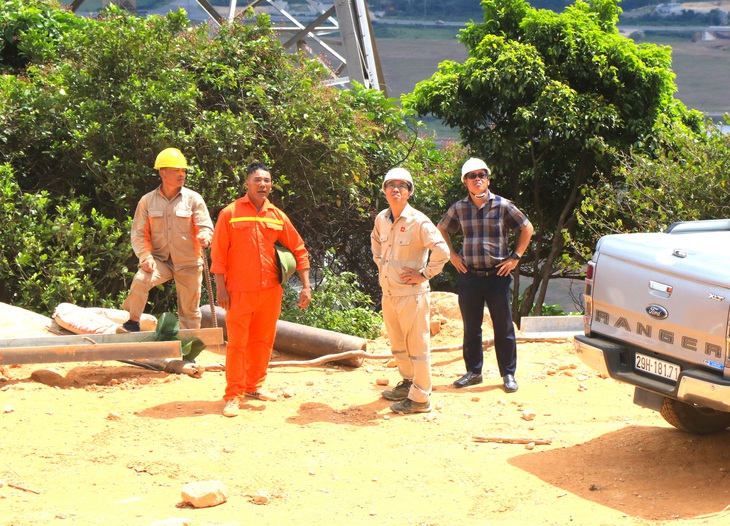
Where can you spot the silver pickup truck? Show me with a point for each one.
(657, 317)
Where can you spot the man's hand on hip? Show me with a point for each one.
(412, 276)
(506, 267)
(458, 263)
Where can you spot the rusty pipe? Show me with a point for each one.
(311, 342)
(302, 340)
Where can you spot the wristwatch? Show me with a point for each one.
(516, 256)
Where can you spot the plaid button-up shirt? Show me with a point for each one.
(486, 230)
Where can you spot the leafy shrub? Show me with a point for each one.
(338, 305)
(58, 251)
(44, 25)
(88, 103)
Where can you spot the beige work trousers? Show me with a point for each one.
(407, 320)
(188, 282)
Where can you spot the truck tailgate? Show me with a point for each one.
(666, 293)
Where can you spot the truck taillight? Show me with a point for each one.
(588, 297)
(590, 271)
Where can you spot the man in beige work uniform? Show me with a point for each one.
(401, 240)
(171, 226)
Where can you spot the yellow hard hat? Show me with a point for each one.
(170, 158)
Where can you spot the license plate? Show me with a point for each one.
(656, 367)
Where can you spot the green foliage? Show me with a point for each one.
(551, 310)
(338, 304)
(90, 123)
(168, 327)
(54, 251)
(552, 102)
(82, 121)
(31, 32)
(688, 179)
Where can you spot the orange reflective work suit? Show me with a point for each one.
(243, 251)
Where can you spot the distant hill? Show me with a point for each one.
(467, 9)
(694, 13)
(421, 9)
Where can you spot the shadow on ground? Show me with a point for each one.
(653, 473)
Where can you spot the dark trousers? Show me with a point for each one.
(494, 291)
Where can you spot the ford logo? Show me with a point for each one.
(657, 311)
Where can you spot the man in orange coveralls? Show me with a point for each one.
(247, 283)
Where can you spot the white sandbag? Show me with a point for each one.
(16, 322)
(82, 321)
(147, 322)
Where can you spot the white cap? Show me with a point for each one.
(401, 174)
(474, 164)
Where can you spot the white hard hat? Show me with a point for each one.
(472, 165)
(401, 174)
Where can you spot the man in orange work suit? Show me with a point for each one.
(247, 283)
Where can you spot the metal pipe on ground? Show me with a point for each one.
(31, 350)
(302, 340)
(293, 338)
(207, 322)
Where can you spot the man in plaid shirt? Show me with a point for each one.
(484, 266)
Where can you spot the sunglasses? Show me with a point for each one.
(474, 175)
(399, 186)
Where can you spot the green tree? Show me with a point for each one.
(56, 250)
(552, 101)
(82, 121)
(31, 32)
(689, 180)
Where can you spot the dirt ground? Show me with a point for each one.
(117, 447)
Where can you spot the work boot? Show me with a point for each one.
(262, 395)
(231, 408)
(399, 392)
(131, 326)
(408, 407)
